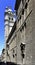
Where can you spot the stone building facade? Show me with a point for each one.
(12, 44)
(3, 55)
(21, 39)
(25, 10)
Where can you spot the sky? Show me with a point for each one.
(3, 4)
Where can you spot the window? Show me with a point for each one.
(22, 50)
(9, 18)
(26, 5)
(13, 55)
(25, 24)
(12, 18)
(23, 55)
(22, 11)
(20, 17)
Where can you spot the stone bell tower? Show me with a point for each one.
(9, 19)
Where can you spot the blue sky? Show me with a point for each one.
(3, 4)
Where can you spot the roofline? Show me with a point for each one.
(17, 4)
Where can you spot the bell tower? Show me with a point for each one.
(9, 20)
(6, 23)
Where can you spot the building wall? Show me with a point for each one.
(33, 34)
(12, 49)
(20, 8)
(3, 57)
(25, 35)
